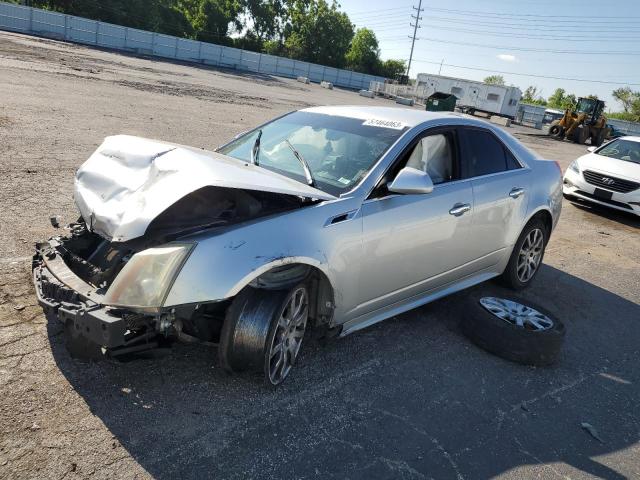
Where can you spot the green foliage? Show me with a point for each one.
(627, 98)
(532, 97)
(364, 53)
(310, 30)
(392, 69)
(317, 32)
(560, 99)
(494, 80)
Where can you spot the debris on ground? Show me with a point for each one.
(592, 431)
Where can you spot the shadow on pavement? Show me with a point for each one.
(628, 219)
(407, 398)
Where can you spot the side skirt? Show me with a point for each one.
(410, 303)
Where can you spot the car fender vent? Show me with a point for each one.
(343, 217)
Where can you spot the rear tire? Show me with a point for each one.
(527, 256)
(262, 328)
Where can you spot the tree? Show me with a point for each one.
(211, 19)
(626, 97)
(392, 69)
(532, 97)
(317, 32)
(557, 99)
(494, 80)
(364, 53)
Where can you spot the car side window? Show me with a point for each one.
(483, 154)
(433, 154)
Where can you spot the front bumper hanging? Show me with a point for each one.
(74, 302)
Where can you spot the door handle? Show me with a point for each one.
(516, 192)
(459, 209)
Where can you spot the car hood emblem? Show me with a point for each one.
(608, 181)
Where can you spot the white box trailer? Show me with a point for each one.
(473, 96)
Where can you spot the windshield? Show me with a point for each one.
(621, 149)
(339, 151)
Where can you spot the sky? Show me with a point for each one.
(522, 40)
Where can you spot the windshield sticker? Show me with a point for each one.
(343, 180)
(375, 122)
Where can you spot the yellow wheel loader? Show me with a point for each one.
(584, 123)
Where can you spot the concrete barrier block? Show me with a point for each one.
(505, 122)
(328, 85)
(405, 101)
(303, 79)
(366, 93)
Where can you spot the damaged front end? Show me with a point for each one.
(141, 204)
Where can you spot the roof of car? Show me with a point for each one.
(408, 116)
(631, 137)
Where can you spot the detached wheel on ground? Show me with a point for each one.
(263, 331)
(527, 255)
(513, 329)
(556, 130)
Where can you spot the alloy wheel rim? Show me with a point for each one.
(287, 338)
(517, 314)
(530, 255)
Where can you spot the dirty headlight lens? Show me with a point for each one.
(574, 166)
(145, 280)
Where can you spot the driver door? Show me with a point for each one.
(413, 242)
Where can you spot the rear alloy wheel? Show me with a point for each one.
(527, 256)
(511, 329)
(263, 331)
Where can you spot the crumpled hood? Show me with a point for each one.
(128, 181)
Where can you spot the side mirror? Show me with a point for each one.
(591, 149)
(412, 181)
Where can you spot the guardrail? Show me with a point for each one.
(60, 26)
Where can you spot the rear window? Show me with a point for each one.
(483, 154)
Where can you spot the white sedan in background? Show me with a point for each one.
(609, 175)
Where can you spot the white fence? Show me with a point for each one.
(60, 26)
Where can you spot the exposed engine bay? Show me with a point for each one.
(96, 262)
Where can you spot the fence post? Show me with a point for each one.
(30, 19)
(293, 70)
(97, 30)
(277, 58)
(239, 66)
(259, 62)
(309, 72)
(324, 72)
(200, 59)
(153, 43)
(126, 36)
(220, 56)
(175, 51)
(66, 26)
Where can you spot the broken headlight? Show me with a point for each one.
(145, 280)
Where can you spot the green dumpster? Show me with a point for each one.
(441, 102)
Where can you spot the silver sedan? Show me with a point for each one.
(331, 217)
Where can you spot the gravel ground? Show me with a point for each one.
(408, 398)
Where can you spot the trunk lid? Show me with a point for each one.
(128, 181)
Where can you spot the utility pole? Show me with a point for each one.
(415, 26)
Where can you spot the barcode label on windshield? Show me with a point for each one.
(374, 122)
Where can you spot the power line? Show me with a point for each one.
(525, 49)
(479, 69)
(415, 26)
(529, 15)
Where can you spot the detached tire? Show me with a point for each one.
(503, 337)
(556, 131)
(263, 331)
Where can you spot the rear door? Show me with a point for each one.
(500, 193)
